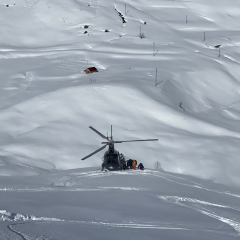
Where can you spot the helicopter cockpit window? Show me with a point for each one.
(112, 159)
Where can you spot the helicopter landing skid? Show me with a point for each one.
(104, 170)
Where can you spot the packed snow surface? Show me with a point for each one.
(89, 204)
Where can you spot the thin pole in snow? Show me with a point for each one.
(156, 78)
(204, 38)
(186, 19)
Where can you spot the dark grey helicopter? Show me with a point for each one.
(112, 160)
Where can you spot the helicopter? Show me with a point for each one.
(112, 159)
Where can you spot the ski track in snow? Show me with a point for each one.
(176, 199)
(182, 201)
(24, 236)
(122, 188)
(196, 185)
(24, 219)
(66, 183)
(20, 234)
(153, 173)
(70, 189)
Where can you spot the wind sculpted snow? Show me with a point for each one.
(47, 102)
(88, 203)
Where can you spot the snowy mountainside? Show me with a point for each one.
(47, 102)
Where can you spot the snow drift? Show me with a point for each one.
(47, 102)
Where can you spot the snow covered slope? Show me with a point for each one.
(90, 204)
(47, 102)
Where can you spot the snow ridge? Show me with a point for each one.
(7, 216)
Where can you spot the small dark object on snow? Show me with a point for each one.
(145, 22)
(7, 5)
(85, 32)
(90, 70)
(218, 46)
(86, 26)
(106, 30)
(112, 160)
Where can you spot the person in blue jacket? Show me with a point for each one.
(140, 166)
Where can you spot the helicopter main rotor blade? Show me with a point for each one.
(94, 152)
(133, 141)
(96, 131)
(137, 140)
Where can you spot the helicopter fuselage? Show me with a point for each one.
(111, 160)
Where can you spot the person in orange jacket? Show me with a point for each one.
(134, 164)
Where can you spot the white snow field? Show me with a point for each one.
(192, 105)
(91, 204)
(47, 102)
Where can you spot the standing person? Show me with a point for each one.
(134, 164)
(130, 163)
(124, 164)
(140, 166)
(103, 165)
